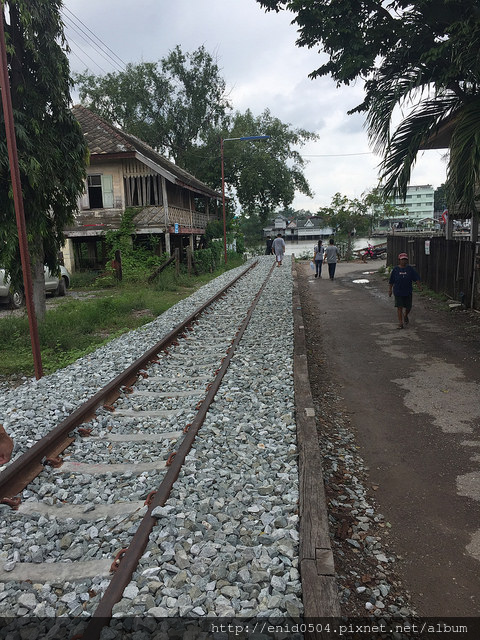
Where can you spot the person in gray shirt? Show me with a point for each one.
(278, 248)
(331, 258)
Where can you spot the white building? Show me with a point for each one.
(418, 203)
(296, 230)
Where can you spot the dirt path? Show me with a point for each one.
(413, 398)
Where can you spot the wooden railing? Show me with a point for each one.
(187, 218)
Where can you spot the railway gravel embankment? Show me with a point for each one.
(226, 542)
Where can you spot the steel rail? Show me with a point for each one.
(30, 464)
(129, 561)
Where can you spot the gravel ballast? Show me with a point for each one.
(226, 542)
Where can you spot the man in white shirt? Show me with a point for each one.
(278, 248)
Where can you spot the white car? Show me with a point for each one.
(56, 285)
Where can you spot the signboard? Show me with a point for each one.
(177, 228)
(427, 247)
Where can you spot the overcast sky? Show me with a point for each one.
(263, 68)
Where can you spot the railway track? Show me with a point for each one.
(97, 484)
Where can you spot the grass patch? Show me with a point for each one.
(78, 327)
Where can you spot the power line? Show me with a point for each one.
(89, 45)
(86, 54)
(74, 53)
(103, 44)
(96, 43)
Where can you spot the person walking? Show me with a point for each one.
(6, 446)
(401, 283)
(318, 258)
(278, 248)
(331, 258)
(268, 248)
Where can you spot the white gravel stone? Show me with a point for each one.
(226, 541)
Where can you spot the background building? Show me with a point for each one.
(418, 207)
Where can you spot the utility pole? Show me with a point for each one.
(18, 199)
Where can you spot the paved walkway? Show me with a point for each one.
(414, 399)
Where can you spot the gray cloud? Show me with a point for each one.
(263, 69)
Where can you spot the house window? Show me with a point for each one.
(99, 192)
(143, 190)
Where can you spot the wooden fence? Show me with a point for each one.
(445, 266)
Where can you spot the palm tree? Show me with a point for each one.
(441, 94)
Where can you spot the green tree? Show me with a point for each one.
(51, 149)
(178, 106)
(264, 174)
(252, 229)
(172, 105)
(416, 55)
(440, 198)
(347, 218)
(380, 206)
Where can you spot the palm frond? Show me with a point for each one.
(400, 153)
(463, 174)
(384, 95)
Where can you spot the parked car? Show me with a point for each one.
(54, 284)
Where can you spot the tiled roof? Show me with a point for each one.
(104, 138)
(313, 223)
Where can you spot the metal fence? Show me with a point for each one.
(445, 266)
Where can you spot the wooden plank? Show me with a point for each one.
(319, 586)
(320, 593)
(312, 492)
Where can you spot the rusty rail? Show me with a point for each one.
(132, 555)
(30, 464)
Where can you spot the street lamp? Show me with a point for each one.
(222, 140)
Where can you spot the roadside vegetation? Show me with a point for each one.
(74, 328)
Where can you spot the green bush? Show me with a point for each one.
(207, 260)
(77, 327)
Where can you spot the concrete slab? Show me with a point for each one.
(77, 511)
(177, 378)
(131, 413)
(97, 469)
(137, 437)
(169, 394)
(56, 571)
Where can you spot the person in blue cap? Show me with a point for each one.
(401, 283)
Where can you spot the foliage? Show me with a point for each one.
(178, 106)
(418, 56)
(51, 149)
(207, 260)
(171, 104)
(76, 328)
(440, 198)
(265, 174)
(381, 206)
(251, 227)
(137, 261)
(214, 229)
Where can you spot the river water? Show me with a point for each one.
(306, 246)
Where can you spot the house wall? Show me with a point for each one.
(92, 223)
(68, 255)
(114, 169)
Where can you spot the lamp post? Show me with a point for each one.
(222, 140)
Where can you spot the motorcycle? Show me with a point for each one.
(373, 253)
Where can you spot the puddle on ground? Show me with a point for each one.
(361, 281)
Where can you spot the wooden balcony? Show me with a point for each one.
(95, 222)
